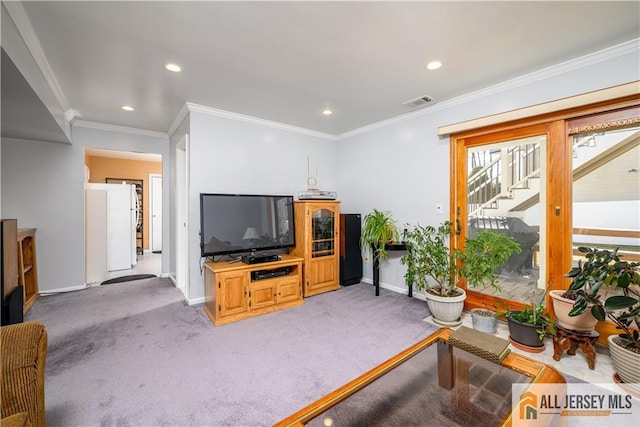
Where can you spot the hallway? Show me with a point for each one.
(149, 263)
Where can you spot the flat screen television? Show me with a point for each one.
(245, 223)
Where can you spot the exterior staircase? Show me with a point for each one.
(505, 182)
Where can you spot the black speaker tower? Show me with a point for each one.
(350, 254)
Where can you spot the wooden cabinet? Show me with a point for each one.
(11, 291)
(236, 291)
(233, 292)
(9, 250)
(317, 229)
(27, 267)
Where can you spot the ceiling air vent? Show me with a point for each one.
(418, 102)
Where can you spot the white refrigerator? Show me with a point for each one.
(111, 219)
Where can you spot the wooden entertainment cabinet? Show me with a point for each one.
(236, 291)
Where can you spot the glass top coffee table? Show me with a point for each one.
(430, 383)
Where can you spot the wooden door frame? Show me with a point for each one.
(559, 126)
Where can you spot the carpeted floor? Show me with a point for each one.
(133, 354)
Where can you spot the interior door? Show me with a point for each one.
(156, 212)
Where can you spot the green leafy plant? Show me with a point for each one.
(532, 314)
(604, 267)
(428, 256)
(378, 229)
(483, 254)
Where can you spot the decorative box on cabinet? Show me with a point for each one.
(236, 291)
(27, 267)
(317, 230)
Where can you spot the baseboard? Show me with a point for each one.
(395, 288)
(62, 290)
(194, 301)
(170, 277)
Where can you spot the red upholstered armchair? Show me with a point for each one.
(24, 353)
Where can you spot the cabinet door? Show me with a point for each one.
(263, 294)
(288, 290)
(323, 260)
(233, 296)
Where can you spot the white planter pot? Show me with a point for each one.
(562, 306)
(626, 363)
(446, 311)
(484, 323)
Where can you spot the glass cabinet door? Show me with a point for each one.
(322, 233)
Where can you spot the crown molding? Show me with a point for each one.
(182, 114)
(195, 108)
(631, 46)
(119, 129)
(23, 24)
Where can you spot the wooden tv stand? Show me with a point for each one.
(233, 293)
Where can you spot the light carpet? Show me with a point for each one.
(134, 354)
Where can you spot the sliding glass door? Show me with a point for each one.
(553, 183)
(502, 185)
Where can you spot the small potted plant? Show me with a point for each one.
(622, 278)
(528, 327)
(378, 229)
(436, 269)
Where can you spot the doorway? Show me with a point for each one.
(100, 166)
(500, 165)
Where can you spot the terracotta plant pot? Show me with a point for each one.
(585, 322)
(484, 320)
(525, 334)
(446, 311)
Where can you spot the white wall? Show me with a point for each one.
(43, 187)
(404, 167)
(231, 156)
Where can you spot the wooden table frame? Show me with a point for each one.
(538, 372)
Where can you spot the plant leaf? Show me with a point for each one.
(598, 312)
(619, 302)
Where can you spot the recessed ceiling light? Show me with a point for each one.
(434, 65)
(127, 108)
(327, 112)
(173, 67)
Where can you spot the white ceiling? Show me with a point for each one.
(287, 61)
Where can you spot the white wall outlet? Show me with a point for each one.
(439, 209)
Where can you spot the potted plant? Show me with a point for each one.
(479, 260)
(436, 269)
(604, 267)
(431, 266)
(378, 229)
(528, 327)
(585, 278)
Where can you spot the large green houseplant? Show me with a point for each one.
(436, 269)
(378, 229)
(621, 279)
